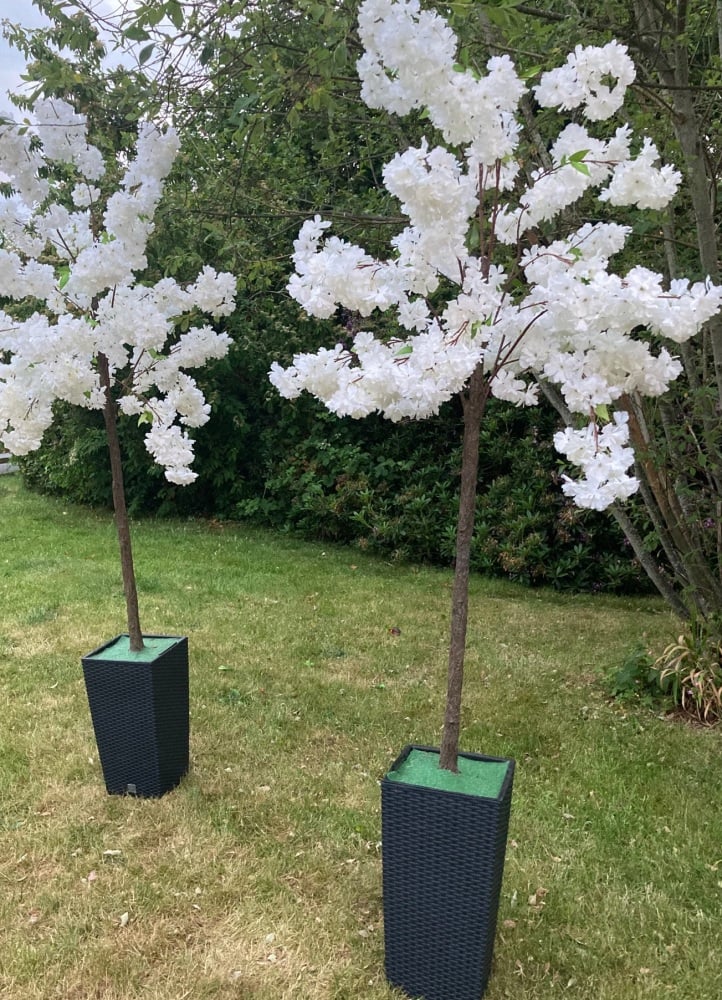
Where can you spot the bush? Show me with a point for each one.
(393, 489)
(387, 488)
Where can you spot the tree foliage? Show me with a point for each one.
(677, 47)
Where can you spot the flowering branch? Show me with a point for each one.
(82, 263)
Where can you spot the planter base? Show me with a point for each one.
(443, 861)
(139, 707)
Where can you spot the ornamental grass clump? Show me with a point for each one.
(690, 671)
(83, 325)
(483, 307)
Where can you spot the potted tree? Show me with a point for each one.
(494, 293)
(86, 327)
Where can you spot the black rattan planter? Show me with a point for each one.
(443, 861)
(139, 707)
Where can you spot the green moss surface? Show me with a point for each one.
(120, 649)
(482, 778)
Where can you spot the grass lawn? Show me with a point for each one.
(259, 877)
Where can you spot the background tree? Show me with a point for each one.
(676, 46)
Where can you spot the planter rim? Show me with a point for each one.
(407, 785)
(122, 635)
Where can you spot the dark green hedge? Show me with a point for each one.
(387, 488)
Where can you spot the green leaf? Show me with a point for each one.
(175, 13)
(136, 34)
(207, 53)
(404, 352)
(243, 103)
(340, 56)
(602, 412)
(576, 160)
(531, 72)
(145, 418)
(473, 237)
(145, 53)
(153, 14)
(63, 277)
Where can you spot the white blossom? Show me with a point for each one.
(409, 62)
(63, 135)
(641, 182)
(561, 315)
(93, 302)
(604, 458)
(580, 81)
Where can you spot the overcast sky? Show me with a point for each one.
(12, 63)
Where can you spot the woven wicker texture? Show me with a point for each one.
(443, 861)
(140, 718)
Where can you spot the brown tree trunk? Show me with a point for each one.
(474, 402)
(122, 524)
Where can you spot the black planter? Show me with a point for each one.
(443, 861)
(139, 707)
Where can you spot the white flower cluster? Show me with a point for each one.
(570, 321)
(384, 377)
(604, 457)
(630, 182)
(581, 81)
(408, 63)
(93, 304)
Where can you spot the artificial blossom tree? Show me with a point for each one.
(494, 290)
(85, 327)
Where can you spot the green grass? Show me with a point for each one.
(259, 878)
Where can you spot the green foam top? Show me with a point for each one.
(482, 778)
(120, 649)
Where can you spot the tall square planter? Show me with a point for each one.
(140, 712)
(443, 860)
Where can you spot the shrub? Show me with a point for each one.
(393, 489)
(636, 678)
(386, 488)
